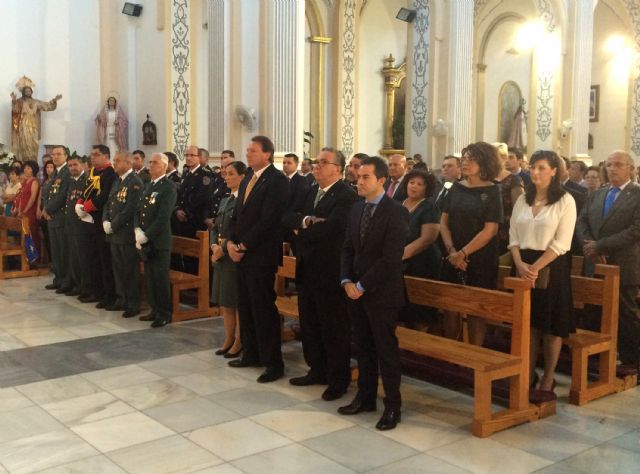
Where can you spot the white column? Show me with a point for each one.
(460, 74)
(180, 77)
(132, 84)
(583, 41)
(418, 62)
(346, 71)
(283, 57)
(217, 83)
(634, 128)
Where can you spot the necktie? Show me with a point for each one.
(250, 186)
(610, 199)
(365, 220)
(392, 188)
(319, 195)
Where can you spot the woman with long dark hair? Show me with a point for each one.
(542, 226)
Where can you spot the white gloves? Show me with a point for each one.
(80, 211)
(106, 225)
(141, 238)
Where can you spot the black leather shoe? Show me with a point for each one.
(114, 307)
(233, 355)
(51, 286)
(102, 304)
(240, 363)
(159, 324)
(88, 299)
(306, 380)
(270, 375)
(331, 394)
(62, 291)
(147, 317)
(389, 419)
(357, 406)
(73, 292)
(221, 352)
(130, 313)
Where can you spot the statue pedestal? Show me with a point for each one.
(387, 152)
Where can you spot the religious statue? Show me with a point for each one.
(149, 134)
(25, 120)
(113, 126)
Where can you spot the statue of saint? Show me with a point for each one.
(25, 120)
(113, 127)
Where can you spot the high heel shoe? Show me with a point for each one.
(233, 355)
(224, 351)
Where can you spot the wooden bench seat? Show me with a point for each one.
(9, 248)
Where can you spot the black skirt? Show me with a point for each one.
(552, 308)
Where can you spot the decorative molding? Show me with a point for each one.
(348, 70)
(420, 81)
(217, 86)
(544, 117)
(180, 70)
(633, 8)
(478, 6)
(546, 14)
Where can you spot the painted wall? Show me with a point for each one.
(57, 44)
(380, 34)
(611, 72)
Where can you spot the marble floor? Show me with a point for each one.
(85, 391)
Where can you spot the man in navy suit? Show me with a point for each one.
(298, 188)
(255, 243)
(371, 275)
(324, 322)
(397, 171)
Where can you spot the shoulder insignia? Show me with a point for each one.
(206, 180)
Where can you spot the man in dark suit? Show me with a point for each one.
(117, 223)
(306, 171)
(450, 172)
(579, 195)
(172, 169)
(397, 171)
(54, 213)
(609, 227)
(255, 243)
(512, 164)
(324, 323)
(152, 230)
(371, 274)
(298, 189)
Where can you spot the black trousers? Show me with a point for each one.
(103, 269)
(629, 326)
(156, 271)
(259, 318)
(59, 256)
(374, 331)
(126, 273)
(326, 334)
(80, 264)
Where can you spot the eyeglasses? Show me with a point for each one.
(325, 162)
(191, 154)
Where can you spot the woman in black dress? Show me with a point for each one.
(471, 213)
(540, 235)
(421, 254)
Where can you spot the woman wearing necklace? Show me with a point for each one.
(471, 213)
(224, 289)
(540, 234)
(421, 254)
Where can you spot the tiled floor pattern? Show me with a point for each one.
(136, 400)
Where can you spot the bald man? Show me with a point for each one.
(397, 170)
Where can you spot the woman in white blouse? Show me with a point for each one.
(542, 225)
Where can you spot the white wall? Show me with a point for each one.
(610, 132)
(380, 34)
(56, 44)
(503, 67)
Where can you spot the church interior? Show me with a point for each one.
(84, 390)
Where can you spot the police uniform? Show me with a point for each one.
(119, 212)
(192, 199)
(219, 192)
(80, 236)
(96, 194)
(54, 203)
(153, 217)
(175, 177)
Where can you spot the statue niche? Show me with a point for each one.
(394, 87)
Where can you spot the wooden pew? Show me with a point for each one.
(286, 302)
(488, 365)
(15, 249)
(602, 291)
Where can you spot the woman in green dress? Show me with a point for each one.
(224, 291)
(421, 253)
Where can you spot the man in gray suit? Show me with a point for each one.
(609, 228)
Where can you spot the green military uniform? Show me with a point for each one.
(79, 236)
(153, 216)
(119, 211)
(54, 203)
(144, 175)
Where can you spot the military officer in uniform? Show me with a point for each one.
(138, 166)
(117, 222)
(153, 238)
(80, 234)
(99, 183)
(172, 169)
(54, 213)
